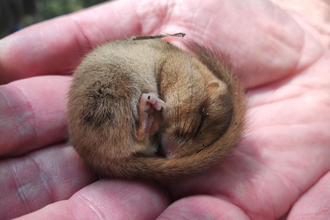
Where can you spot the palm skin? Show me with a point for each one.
(280, 168)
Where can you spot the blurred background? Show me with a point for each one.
(17, 14)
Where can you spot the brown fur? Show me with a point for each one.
(202, 122)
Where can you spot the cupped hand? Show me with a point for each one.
(280, 168)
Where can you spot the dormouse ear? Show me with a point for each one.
(216, 87)
(213, 85)
(212, 88)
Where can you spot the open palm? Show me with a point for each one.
(281, 163)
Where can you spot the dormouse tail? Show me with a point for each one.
(156, 168)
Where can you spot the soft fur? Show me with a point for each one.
(202, 122)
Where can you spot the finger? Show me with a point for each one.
(317, 22)
(263, 42)
(108, 199)
(242, 179)
(315, 203)
(40, 178)
(202, 207)
(57, 46)
(32, 114)
(267, 49)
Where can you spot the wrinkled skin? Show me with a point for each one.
(279, 170)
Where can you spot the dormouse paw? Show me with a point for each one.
(149, 118)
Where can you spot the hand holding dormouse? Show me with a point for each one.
(281, 164)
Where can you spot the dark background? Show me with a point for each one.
(16, 14)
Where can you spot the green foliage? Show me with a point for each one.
(48, 9)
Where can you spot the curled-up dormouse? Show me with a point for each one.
(142, 108)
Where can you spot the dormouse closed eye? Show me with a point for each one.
(203, 115)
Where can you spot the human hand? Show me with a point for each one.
(278, 54)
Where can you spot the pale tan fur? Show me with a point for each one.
(202, 122)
